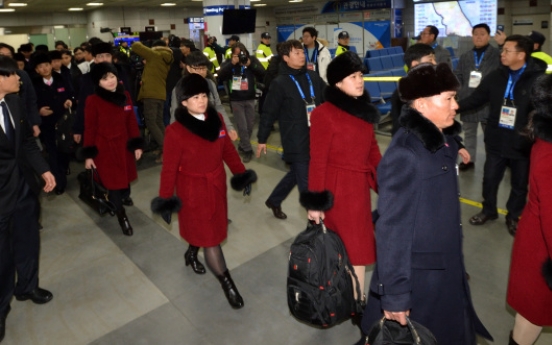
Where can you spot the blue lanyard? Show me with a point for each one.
(242, 70)
(314, 55)
(509, 92)
(477, 62)
(301, 91)
(434, 45)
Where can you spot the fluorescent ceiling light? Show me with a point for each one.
(168, 4)
(59, 27)
(75, 9)
(94, 4)
(7, 10)
(254, 0)
(17, 4)
(259, 5)
(295, 0)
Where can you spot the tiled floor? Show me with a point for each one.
(113, 289)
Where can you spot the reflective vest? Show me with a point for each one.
(546, 58)
(209, 52)
(264, 54)
(124, 50)
(228, 54)
(341, 49)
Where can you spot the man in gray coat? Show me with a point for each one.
(474, 66)
(429, 37)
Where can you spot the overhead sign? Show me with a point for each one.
(216, 10)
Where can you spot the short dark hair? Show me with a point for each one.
(87, 49)
(77, 49)
(19, 57)
(197, 58)
(8, 66)
(433, 30)
(7, 46)
(66, 52)
(241, 46)
(94, 40)
(312, 31)
(416, 52)
(288, 45)
(523, 44)
(482, 26)
(61, 43)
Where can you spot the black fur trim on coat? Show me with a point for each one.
(426, 131)
(86, 152)
(118, 97)
(160, 205)
(240, 181)
(547, 272)
(542, 127)
(316, 201)
(208, 129)
(360, 107)
(137, 143)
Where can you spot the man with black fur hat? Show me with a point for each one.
(420, 269)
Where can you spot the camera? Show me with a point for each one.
(243, 58)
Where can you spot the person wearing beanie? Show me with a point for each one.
(112, 141)
(231, 41)
(342, 43)
(538, 40)
(54, 97)
(420, 268)
(196, 148)
(345, 121)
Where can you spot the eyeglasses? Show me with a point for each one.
(510, 51)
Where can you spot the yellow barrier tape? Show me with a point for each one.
(382, 78)
(269, 147)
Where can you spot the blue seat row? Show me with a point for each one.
(384, 52)
(383, 63)
(381, 91)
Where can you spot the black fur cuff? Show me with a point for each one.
(316, 201)
(87, 152)
(547, 272)
(161, 205)
(137, 143)
(240, 181)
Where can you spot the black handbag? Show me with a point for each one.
(94, 193)
(64, 133)
(389, 332)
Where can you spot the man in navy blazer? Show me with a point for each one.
(420, 269)
(20, 163)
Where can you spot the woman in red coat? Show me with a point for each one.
(195, 149)
(530, 283)
(112, 139)
(344, 155)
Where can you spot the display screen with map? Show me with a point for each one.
(455, 17)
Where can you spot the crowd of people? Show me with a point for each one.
(326, 120)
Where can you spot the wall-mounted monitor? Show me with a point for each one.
(240, 21)
(455, 17)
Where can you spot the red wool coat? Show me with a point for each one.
(528, 293)
(344, 157)
(109, 127)
(193, 166)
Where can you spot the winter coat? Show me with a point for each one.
(323, 59)
(442, 55)
(154, 78)
(505, 142)
(420, 265)
(175, 72)
(253, 73)
(53, 96)
(284, 103)
(111, 136)
(344, 156)
(193, 165)
(466, 64)
(528, 292)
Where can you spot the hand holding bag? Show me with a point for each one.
(389, 332)
(94, 193)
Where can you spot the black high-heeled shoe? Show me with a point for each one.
(190, 258)
(230, 290)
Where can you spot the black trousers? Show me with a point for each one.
(19, 247)
(298, 175)
(59, 161)
(494, 169)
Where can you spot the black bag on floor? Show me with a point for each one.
(94, 193)
(387, 332)
(64, 133)
(319, 285)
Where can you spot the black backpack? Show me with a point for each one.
(319, 285)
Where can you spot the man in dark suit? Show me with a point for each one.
(20, 161)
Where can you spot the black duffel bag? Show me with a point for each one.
(388, 332)
(94, 193)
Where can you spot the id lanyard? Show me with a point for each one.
(509, 92)
(314, 55)
(301, 91)
(242, 71)
(434, 45)
(478, 62)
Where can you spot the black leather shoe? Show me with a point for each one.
(38, 296)
(124, 222)
(512, 224)
(466, 166)
(2, 327)
(190, 258)
(230, 290)
(277, 210)
(481, 218)
(59, 191)
(128, 202)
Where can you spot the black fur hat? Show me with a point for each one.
(99, 70)
(39, 58)
(426, 80)
(101, 48)
(541, 96)
(343, 66)
(190, 86)
(55, 54)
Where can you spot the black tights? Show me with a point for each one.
(215, 260)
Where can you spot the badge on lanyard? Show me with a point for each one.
(309, 108)
(244, 85)
(507, 117)
(475, 79)
(236, 83)
(311, 66)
